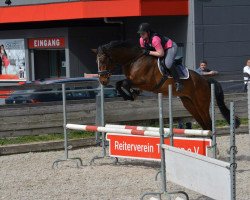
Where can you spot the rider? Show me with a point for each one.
(156, 45)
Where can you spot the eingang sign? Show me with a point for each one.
(46, 43)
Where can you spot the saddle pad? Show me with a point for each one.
(181, 69)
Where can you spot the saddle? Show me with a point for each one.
(181, 69)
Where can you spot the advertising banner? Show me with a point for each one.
(148, 147)
(12, 60)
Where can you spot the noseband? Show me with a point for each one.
(104, 72)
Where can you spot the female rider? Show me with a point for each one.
(160, 46)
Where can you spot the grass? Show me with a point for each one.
(44, 138)
(84, 134)
(195, 125)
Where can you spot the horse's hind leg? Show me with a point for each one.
(205, 114)
(202, 103)
(189, 105)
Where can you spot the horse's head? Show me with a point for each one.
(105, 65)
(114, 54)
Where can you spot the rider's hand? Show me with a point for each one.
(145, 52)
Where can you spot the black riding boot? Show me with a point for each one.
(176, 78)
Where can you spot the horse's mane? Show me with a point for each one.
(117, 44)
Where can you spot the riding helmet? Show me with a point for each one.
(144, 27)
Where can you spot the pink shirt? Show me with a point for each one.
(156, 43)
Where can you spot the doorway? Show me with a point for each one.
(49, 63)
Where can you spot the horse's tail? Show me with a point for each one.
(219, 95)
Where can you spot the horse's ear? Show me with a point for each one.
(94, 50)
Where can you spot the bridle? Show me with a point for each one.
(108, 72)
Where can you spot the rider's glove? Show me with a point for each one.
(145, 52)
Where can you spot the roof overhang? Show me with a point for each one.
(92, 9)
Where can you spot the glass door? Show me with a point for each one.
(49, 64)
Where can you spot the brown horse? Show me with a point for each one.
(142, 72)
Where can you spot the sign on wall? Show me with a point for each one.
(46, 43)
(13, 66)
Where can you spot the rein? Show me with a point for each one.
(109, 72)
(134, 59)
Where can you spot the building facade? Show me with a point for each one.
(54, 38)
(222, 35)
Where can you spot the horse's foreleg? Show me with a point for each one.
(125, 95)
(127, 85)
(124, 87)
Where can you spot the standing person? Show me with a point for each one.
(204, 71)
(246, 74)
(159, 46)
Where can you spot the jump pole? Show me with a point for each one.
(170, 110)
(98, 129)
(233, 151)
(119, 129)
(162, 170)
(111, 130)
(162, 136)
(207, 176)
(177, 131)
(66, 147)
(214, 144)
(102, 121)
